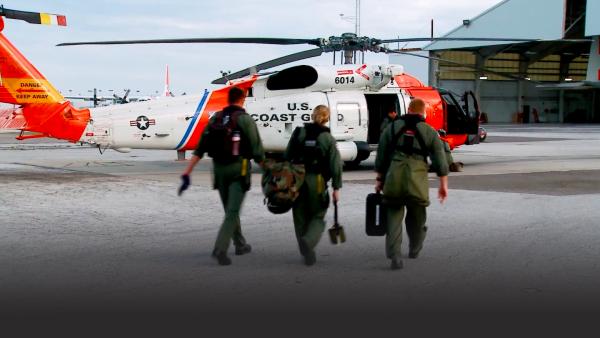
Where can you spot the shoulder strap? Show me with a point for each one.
(295, 145)
(424, 151)
(219, 116)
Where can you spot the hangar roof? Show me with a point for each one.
(560, 50)
(519, 19)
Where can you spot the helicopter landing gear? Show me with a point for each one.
(363, 153)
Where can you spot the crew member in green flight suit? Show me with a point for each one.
(313, 146)
(231, 167)
(392, 116)
(401, 167)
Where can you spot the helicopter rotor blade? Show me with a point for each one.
(484, 70)
(456, 39)
(267, 41)
(270, 64)
(33, 17)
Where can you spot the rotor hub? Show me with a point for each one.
(350, 42)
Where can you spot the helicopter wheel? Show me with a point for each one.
(354, 164)
(363, 153)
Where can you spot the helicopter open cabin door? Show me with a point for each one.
(472, 110)
(380, 104)
(458, 121)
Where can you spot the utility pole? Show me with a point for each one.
(357, 16)
(432, 28)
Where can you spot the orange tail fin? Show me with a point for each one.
(42, 108)
(20, 81)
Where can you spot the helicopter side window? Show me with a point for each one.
(293, 78)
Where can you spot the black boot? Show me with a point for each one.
(221, 257)
(396, 264)
(243, 249)
(413, 251)
(310, 258)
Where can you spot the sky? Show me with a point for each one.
(75, 70)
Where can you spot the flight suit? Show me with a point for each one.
(449, 158)
(406, 176)
(311, 205)
(233, 179)
(385, 123)
(452, 166)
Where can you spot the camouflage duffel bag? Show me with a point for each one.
(281, 182)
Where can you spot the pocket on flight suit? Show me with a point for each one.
(324, 199)
(396, 179)
(322, 191)
(246, 174)
(406, 182)
(418, 184)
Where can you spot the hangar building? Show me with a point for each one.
(554, 79)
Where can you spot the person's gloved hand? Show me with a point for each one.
(185, 183)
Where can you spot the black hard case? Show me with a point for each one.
(376, 216)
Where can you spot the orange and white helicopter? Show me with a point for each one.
(359, 96)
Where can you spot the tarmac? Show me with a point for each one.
(84, 232)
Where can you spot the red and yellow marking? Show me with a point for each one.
(23, 91)
(53, 19)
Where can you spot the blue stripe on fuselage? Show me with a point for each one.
(191, 126)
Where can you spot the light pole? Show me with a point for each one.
(355, 19)
(350, 56)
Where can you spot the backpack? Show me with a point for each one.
(307, 152)
(220, 136)
(281, 183)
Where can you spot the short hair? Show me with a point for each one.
(235, 95)
(321, 114)
(416, 106)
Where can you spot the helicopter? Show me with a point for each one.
(358, 94)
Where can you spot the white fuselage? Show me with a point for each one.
(169, 122)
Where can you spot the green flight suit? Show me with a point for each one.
(313, 201)
(452, 166)
(449, 158)
(406, 176)
(233, 179)
(385, 123)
